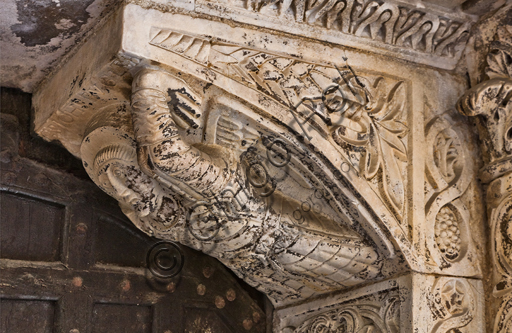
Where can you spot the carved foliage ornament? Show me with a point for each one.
(166, 186)
(448, 175)
(491, 103)
(381, 21)
(376, 314)
(364, 114)
(453, 304)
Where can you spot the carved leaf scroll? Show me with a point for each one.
(376, 314)
(449, 173)
(380, 137)
(365, 114)
(381, 21)
(499, 59)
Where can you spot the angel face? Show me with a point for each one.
(129, 185)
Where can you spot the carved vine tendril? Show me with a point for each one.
(377, 129)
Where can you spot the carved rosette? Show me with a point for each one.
(453, 304)
(490, 102)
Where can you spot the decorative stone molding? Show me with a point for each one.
(365, 114)
(449, 172)
(387, 22)
(305, 167)
(442, 304)
(491, 104)
(421, 33)
(168, 188)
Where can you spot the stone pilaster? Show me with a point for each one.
(490, 103)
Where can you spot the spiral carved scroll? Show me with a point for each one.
(448, 176)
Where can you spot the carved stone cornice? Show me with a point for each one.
(399, 29)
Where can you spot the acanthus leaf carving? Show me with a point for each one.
(491, 103)
(385, 22)
(499, 59)
(380, 136)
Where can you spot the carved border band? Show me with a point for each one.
(424, 35)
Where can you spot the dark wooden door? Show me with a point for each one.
(71, 262)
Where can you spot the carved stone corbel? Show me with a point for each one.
(225, 202)
(490, 102)
(305, 166)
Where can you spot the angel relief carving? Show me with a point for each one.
(224, 197)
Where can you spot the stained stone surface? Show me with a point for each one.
(36, 36)
(314, 148)
(411, 303)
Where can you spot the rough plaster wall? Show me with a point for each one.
(36, 34)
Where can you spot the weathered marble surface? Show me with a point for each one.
(491, 104)
(411, 303)
(306, 165)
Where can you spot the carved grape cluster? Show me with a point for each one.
(448, 233)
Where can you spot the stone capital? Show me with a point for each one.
(490, 103)
(308, 167)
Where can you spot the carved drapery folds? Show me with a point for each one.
(490, 102)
